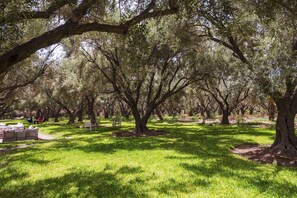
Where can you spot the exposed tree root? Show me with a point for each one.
(264, 154)
(284, 149)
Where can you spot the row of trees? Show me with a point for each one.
(224, 48)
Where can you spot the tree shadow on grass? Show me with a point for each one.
(128, 170)
(171, 186)
(226, 168)
(65, 130)
(10, 174)
(77, 183)
(208, 144)
(182, 139)
(97, 131)
(30, 156)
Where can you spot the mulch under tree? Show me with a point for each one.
(263, 154)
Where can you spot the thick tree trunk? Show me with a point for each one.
(71, 118)
(251, 110)
(140, 126)
(225, 118)
(285, 139)
(80, 115)
(46, 113)
(106, 114)
(191, 112)
(57, 114)
(112, 112)
(56, 118)
(91, 112)
(140, 122)
(242, 110)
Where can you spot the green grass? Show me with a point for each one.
(191, 161)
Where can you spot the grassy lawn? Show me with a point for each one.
(191, 161)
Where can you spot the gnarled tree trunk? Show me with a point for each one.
(251, 109)
(140, 126)
(106, 114)
(225, 118)
(71, 118)
(56, 119)
(285, 139)
(46, 113)
(141, 121)
(242, 110)
(91, 112)
(57, 114)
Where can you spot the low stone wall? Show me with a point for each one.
(27, 134)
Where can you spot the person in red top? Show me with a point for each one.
(40, 119)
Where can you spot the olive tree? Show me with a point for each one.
(144, 70)
(262, 36)
(65, 18)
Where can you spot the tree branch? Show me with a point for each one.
(25, 15)
(70, 28)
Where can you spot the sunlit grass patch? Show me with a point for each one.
(190, 161)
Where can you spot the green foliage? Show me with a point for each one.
(261, 34)
(191, 161)
(13, 31)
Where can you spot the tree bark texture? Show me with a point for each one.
(285, 139)
(225, 118)
(91, 111)
(242, 110)
(57, 114)
(140, 121)
(56, 118)
(80, 115)
(71, 118)
(251, 109)
(106, 114)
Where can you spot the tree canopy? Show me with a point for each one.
(64, 19)
(144, 52)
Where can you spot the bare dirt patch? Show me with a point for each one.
(263, 154)
(133, 134)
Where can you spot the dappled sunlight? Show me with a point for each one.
(76, 183)
(191, 160)
(171, 98)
